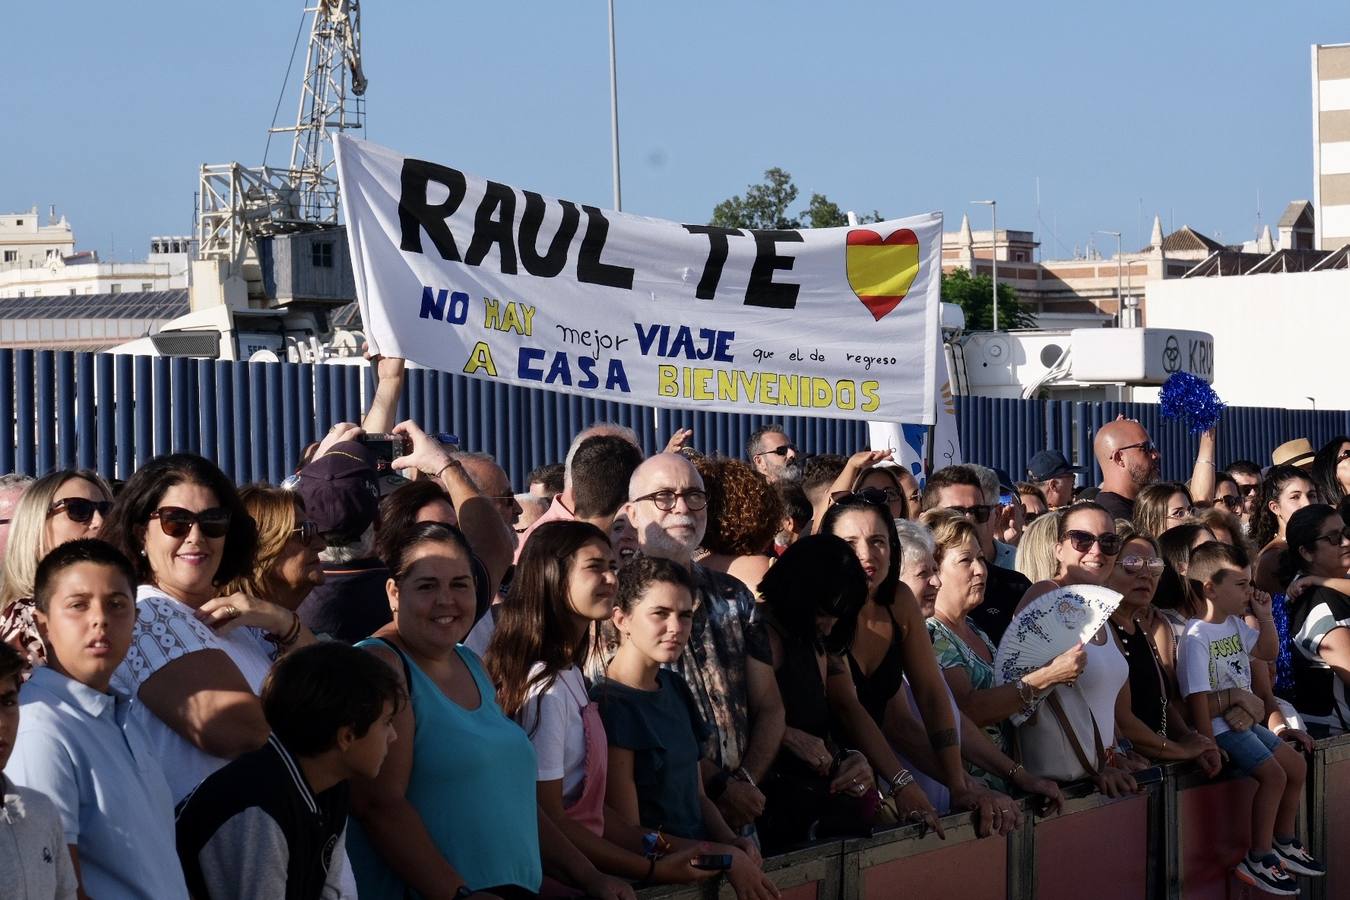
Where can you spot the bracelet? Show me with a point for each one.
(291, 635)
(1208, 462)
(1280, 728)
(1027, 694)
(1012, 773)
(902, 780)
(743, 774)
(651, 870)
(444, 467)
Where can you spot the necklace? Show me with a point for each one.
(1157, 665)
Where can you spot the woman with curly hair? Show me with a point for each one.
(744, 514)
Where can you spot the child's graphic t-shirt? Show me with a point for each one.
(1216, 657)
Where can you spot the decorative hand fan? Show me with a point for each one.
(1050, 625)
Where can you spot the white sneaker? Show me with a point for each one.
(1266, 874)
(1298, 860)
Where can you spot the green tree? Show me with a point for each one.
(767, 206)
(973, 295)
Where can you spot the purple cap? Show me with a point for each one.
(341, 491)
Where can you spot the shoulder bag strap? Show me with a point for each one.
(1058, 708)
(407, 670)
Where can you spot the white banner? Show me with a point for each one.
(467, 275)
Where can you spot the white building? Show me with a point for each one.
(40, 261)
(1331, 143)
(25, 243)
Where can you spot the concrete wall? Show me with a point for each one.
(1278, 339)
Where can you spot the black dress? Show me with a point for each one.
(876, 690)
(1148, 691)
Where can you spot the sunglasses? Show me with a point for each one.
(979, 514)
(1335, 538)
(1233, 503)
(665, 500)
(1133, 565)
(1343, 456)
(80, 510)
(307, 530)
(780, 451)
(1030, 516)
(1247, 490)
(1147, 447)
(177, 522)
(1082, 541)
(870, 494)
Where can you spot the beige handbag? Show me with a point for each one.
(1061, 740)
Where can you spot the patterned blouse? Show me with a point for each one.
(953, 653)
(19, 630)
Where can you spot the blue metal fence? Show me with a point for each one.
(112, 413)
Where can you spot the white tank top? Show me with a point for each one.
(1104, 675)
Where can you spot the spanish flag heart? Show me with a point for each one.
(881, 271)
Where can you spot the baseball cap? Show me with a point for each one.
(341, 491)
(1047, 464)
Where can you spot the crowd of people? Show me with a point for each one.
(393, 678)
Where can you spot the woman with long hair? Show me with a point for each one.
(434, 821)
(58, 507)
(565, 582)
(1284, 491)
(287, 566)
(1318, 544)
(1160, 506)
(891, 644)
(1147, 710)
(1330, 470)
(1036, 551)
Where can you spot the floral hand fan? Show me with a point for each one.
(1050, 625)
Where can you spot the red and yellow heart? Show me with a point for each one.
(881, 271)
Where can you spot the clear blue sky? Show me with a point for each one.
(108, 109)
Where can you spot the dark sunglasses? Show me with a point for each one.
(780, 451)
(1082, 541)
(80, 510)
(979, 514)
(1147, 447)
(870, 494)
(1247, 490)
(1030, 516)
(1335, 538)
(1233, 503)
(177, 522)
(1133, 565)
(307, 530)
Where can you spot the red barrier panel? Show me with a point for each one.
(1214, 831)
(1097, 847)
(1337, 852)
(897, 864)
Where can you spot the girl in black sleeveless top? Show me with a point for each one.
(816, 788)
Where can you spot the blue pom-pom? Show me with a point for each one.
(1184, 396)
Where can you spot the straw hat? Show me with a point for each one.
(1298, 452)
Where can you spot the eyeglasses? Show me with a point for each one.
(80, 510)
(1343, 456)
(1228, 500)
(1335, 538)
(1182, 512)
(1082, 541)
(1146, 447)
(665, 500)
(1133, 565)
(177, 522)
(979, 514)
(307, 530)
(779, 451)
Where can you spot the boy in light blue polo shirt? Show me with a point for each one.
(78, 745)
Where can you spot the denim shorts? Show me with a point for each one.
(1248, 749)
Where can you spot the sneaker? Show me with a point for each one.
(1266, 875)
(1298, 860)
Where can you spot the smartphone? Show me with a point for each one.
(1006, 499)
(385, 448)
(713, 862)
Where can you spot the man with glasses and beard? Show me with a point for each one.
(959, 488)
(1129, 462)
(773, 454)
(728, 662)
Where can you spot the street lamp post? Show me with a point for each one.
(614, 109)
(1120, 296)
(993, 255)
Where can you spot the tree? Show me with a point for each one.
(766, 206)
(972, 294)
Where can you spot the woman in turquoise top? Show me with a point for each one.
(453, 810)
